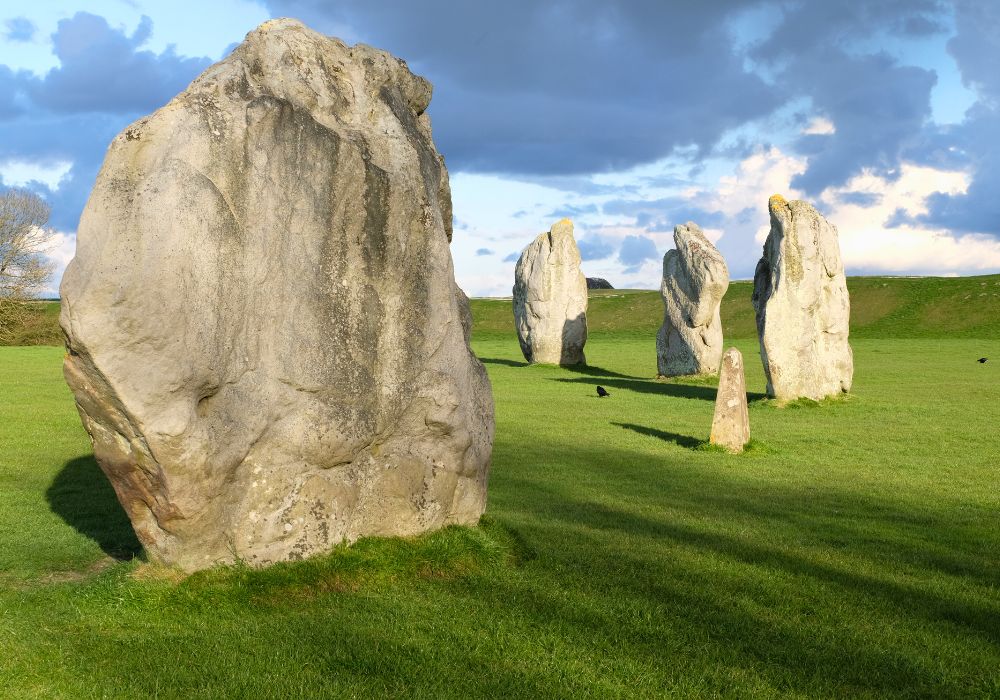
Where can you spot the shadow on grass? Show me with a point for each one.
(684, 391)
(82, 496)
(592, 371)
(589, 370)
(682, 440)
(648, 386)
(502, 361)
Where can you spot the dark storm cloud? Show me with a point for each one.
(976, 48)
(551, 92)
(863, 199)
(104, 70)
(878, 106)
(563, 87)
(19, 29)
(572, 211)
(105, 81)
(635, 251)
(663, 214)
(595, 247)
(898, 218)
(79, 139)
(10, 86)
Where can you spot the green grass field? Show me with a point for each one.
(854, 551)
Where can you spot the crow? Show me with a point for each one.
(602, 392)
(982, 360)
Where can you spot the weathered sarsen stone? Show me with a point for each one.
(265, 337)
(550, 299)
(695, 278)
(802, 306)
(731, 421)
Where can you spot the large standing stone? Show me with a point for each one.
(803, 310)
(695, 278)
(550, 299)
(731, 422)
(265, 337)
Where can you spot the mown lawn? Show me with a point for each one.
(853, 552)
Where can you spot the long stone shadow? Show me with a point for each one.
(82, 496)
(589, 370)
(646, 386)
(682, 440)
(642, 386)
(594, 371)
(502, 361)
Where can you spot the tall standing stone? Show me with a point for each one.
(266, 342)
(802, 306)
(695, 278)
(731, 421)
(550, 299)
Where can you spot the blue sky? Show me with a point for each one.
(628, 117)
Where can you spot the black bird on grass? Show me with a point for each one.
(982, 360)
(602, 392)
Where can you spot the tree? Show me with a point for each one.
(24, 269)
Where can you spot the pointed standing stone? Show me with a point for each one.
(802, 306)
(550, 299)
(695, 278)
(731, 422)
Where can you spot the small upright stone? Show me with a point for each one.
(731, 422)
(550, 299)
(802, 306)
(695, 278)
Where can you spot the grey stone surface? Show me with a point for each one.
(266, 342)
(550, 299)
(731, 421)
(695, 278)
(802, 306)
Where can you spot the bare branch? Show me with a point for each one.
(24, 240)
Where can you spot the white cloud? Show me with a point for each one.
(867, 244)
(755, 179)
(60, 251)
(18, 173)
(820, 126)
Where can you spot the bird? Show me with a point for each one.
(602, 392)
(982, 360)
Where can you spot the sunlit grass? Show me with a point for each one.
(851, 552)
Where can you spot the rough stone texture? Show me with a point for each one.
(550, 299)
(265, 338)
(695, 278)
(598, 283)
(731, 422)
(802, 307)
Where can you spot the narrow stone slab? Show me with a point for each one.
(802, 305)
(731, 422)
(550, 299)
(695, 278)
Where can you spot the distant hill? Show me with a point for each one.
(881, 307)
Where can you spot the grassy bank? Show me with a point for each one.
(853, 552)
(881, 307)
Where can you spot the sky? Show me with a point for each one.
(627, 117)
